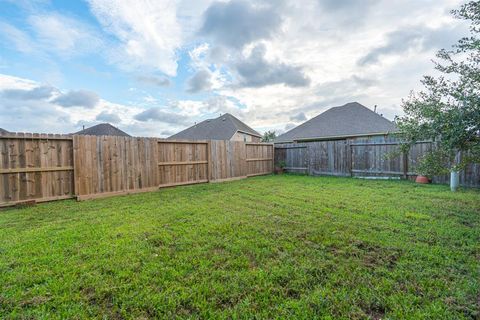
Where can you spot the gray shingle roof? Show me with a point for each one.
(3, 131)
(350, 119)
(221, 128)
(103, 129)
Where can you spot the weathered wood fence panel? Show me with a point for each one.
(364, 157)
(370, 159)
(328, 157)
(294, 156)
(35, 167)
(48, 167)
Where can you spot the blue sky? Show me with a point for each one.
(155, 67)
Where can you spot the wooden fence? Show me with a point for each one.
(41, 167)
(362, 157)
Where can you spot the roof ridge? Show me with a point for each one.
(224, 126)
(105, 127)
(375, 113)
(348, 119)
(237, 121)
(232, 122)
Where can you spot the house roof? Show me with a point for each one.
(3, 131)
(103, 129)
(221, 128)
(351, 119)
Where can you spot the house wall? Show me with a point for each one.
(245, 137)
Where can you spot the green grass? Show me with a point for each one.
(264, 247)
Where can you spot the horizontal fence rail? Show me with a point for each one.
(44, 167)
(35, 167)
(362, 157)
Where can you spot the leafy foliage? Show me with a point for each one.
(448, 109)
(269, 136)
(434, 163)
(281, 164)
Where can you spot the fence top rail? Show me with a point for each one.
(292, 147)
(258, 144)
(184, 141)
(385, 143)
(35, 136)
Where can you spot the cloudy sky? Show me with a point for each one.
(155, 67)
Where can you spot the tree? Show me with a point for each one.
(447, 111)
(269, 136)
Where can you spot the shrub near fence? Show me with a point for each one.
(41, 167)
(362, 157)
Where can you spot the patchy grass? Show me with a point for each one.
(269, 247)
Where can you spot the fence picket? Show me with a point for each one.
(365, 157)
(43, 167)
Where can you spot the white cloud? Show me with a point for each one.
(51, 33)
(110, 117)
(29, 106)
(318, 41)
(326, 39)
(63, 35)
(148, 32)
(16, 37)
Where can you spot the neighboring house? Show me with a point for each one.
(103, 129)
(3, 131)
(348, 121)
(225, 127)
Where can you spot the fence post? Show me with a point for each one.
(405, 164)
(273, 158)
(351, 159)
(209, 162)
(74, 163)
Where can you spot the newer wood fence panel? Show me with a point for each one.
(35, 167)
(114, 165)
(228, 160)
(182, 162)
(259, 158)
(48, 167)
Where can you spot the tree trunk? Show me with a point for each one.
(454, 174)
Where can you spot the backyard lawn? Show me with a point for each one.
(271, 247)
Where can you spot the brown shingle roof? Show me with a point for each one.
(221, 128)
(103, 129)
(351, 119)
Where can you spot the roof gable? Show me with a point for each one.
(3, 131)
(350, 119)
(103, 129)
(221, 128)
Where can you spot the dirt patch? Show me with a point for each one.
(372, 255)
(34, 301)
(104, 301)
